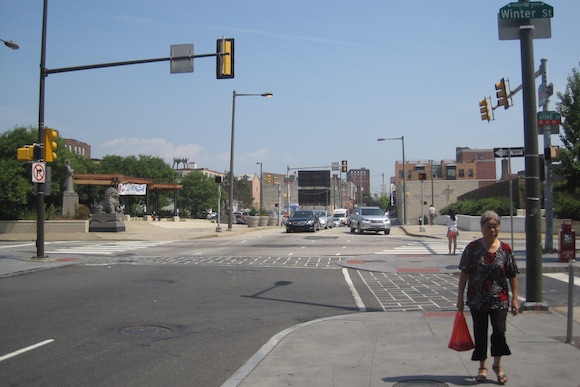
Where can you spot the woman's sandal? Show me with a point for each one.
(501, 377)
(481, 375)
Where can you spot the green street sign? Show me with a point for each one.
(531, 10)
(549, 118)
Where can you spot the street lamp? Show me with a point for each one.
(261, 185)
(10, 44)
(231, 198)
(402, 138)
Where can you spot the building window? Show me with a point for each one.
(401, 174)
(451, 173)
(461, 173)
(470, 172)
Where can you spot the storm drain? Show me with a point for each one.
(420, 383)
(145, 331)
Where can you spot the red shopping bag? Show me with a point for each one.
(460, 336)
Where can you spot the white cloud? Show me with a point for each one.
(149, 146)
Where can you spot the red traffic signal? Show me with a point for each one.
(422, 176)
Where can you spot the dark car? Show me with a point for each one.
(303, 220)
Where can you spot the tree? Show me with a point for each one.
(198, 194)
(569, 108)
(566, 204)
(16, 198)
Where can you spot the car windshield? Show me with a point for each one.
(303, 214)
(321, 213)
(372, 211)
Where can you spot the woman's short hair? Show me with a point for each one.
(489, 215)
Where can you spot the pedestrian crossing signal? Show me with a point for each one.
(422, 176)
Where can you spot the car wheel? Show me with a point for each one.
(360, 231)
(387, 232)
(288, 230)
(351, 230)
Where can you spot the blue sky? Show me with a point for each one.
(343, 74)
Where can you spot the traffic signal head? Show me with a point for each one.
(485, 109)
(502, 94)
(344, 166)
(225, 58)
(275, 180)
(269, 178)
(26, 153)
(422, 176)
(50, 136)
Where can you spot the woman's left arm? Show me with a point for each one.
(515, 302)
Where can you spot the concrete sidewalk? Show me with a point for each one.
(369, 349)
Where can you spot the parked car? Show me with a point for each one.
(303, 220)
(370, 219)
(325, 219)
(336, 221)
(240, 217)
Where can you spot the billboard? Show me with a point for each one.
(314, 197)
(314, 178)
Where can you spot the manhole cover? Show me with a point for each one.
(420, 382)
(145, 331)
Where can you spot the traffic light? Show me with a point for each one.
(225, 58)
(422, 176)
(275, 180)
(50, 136)
(502, 94)
(344, 166)
(269, 179)
(27, 153)
(552, 153)
(218, 179)
(485, 109)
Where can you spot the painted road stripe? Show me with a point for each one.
(20, 351)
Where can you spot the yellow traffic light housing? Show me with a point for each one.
(225, 58)
(485, 110)
(344, 166)
(269, 179)
(25, 153)
(275, 180)
(502, 93)
(50, 136)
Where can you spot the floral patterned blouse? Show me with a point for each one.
(487, 287)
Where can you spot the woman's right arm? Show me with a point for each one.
(461, 290)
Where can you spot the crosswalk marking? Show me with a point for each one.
(564, 277)
(423, 247)
(108, 248)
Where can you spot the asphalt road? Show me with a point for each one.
(133, 325)
(192, 312)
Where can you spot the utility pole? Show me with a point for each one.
(534, 296)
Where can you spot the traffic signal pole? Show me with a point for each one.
(548, 188)
(44, 72)
(41, 138)
(534, 296)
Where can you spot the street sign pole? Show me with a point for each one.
(534, 296)
(548, 187)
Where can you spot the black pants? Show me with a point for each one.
(481, 320)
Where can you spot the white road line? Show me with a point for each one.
(359, 302)
(20, 351)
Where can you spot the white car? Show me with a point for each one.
(325, 219)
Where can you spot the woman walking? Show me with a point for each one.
(487, 264)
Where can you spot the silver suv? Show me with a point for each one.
(370, 219)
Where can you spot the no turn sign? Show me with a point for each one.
(38, 172)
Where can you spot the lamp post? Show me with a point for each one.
(402, 138)
(10, 44)
(231, 198)
(261, 186)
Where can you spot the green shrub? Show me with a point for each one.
(501, 205)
